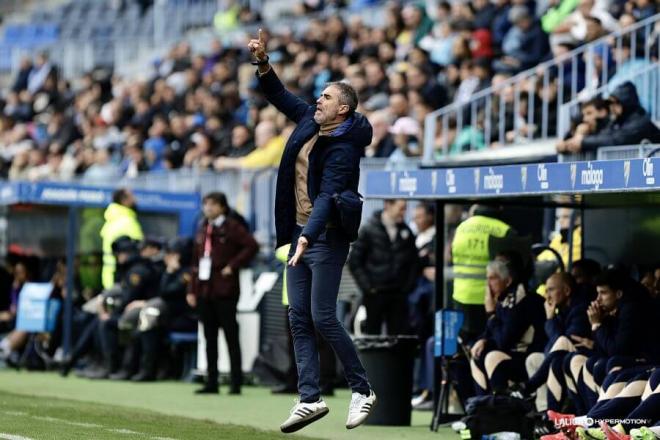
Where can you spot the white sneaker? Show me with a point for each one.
(302, 414)
(360, 409)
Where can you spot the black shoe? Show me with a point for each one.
(284, 389)
(65, 368)
(143, 376)
(121, 375)
(235, 391)
(207, 390)
(97, 373)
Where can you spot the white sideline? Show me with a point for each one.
(4, 436)
(13, 437)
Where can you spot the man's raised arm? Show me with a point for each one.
(292, 106)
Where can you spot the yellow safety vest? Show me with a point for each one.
(119, 221)
(470, 255)
(281, 254)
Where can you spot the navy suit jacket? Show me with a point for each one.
(334, 162)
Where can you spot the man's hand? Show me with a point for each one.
(191, 299)
(490, 302)
(301, 247)
(549, 307)
(135, 305)
(595, 313)
(227, 271)
(574, 144)
(258, 47)
(478, 348)
(583, 342)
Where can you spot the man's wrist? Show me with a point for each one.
(261, 61)
(595, 326)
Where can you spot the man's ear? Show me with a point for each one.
(343, 109)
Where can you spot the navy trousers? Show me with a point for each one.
(312, 287)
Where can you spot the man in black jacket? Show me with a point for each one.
(630, 125)
(384, 263)
(321, 160)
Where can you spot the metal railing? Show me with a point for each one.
(628, 152)
(519, 109)
(646, 81)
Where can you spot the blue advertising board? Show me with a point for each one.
(517, 180)
(186, 205)
(447, 325)
(37, 312)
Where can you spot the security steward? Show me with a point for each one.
(135, 277)
(168, 308)
(222, 246)
(471, 253)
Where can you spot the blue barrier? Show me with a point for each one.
(602, 176)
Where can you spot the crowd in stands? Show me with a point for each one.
(205, 112)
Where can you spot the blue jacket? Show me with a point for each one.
(334, 162)
(571, 320)
(517, 325)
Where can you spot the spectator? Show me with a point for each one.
(241, 142)
(38, 75)
(120, 220)
(22, 78)
(383, 261)
(575, 28)
(629, 64)
(382, 143)
(269, 149)
(595, 118)
(630, 124)
(524, 45)
(420, 80)
(200, 155)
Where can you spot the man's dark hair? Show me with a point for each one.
(216, 197)
(613, 278)
(429, 208)
(590, 268)
(347, 95)
(597, 102)
(120, 195)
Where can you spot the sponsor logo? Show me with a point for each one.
(494, 182)
(72, 195)
(542, 176)
(573, 174)
(434, 181)
(392, 181)
(450, 181)
(626, 172)
(477, 178)
(523, 177)
(591, 176)
(647, 170)
(408, 184)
